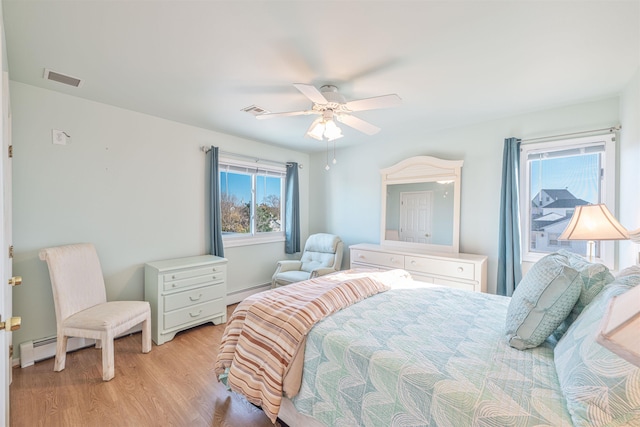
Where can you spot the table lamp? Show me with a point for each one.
(593, 222)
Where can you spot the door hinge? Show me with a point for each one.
(10, 351)
(11, 251)
(11, 151)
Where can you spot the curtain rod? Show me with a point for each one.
(609, 130)
(206, 149)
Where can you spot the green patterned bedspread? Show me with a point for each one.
(426, 357)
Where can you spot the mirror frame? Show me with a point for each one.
(423, 169)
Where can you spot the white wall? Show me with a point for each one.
(349, 201)
(132, 184)
(629, 202)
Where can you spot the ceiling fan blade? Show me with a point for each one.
(384, 101)
(287, 114)
(358, 124)
(312, 93)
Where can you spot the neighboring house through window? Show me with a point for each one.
(251, 202)
(555, 178)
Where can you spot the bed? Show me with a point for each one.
(421, 355)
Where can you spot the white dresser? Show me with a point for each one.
(185, 292)
(465, 271)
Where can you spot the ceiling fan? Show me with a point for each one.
(329, 104)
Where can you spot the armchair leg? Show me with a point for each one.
(108, 370)
(61, 353)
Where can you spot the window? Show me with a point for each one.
(555, 178)
(251, 202)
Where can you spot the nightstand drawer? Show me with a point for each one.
(439, 267)
(194, 313)
(193, 297)
(208, 278)
(378, 258)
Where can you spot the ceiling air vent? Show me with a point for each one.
(62, 78)
(255, 110)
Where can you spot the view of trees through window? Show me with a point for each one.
(250, 202)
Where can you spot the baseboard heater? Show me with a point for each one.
(45, 348)
(238, 296)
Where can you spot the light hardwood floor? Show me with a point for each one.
(173, 385)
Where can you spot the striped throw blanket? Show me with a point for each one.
(264, 333)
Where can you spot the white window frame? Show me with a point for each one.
(607, 196)
(255, 238)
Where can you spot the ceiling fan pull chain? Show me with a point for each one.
(327, 165)
(334, 152)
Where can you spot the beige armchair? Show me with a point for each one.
(81, 305)
(322, 255)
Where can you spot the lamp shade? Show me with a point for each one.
(621, 324)
(593, 222)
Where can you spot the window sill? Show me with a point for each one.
(237, 241)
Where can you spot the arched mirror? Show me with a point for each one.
(421, 204)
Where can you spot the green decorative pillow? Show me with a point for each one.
(541, 301)
(594, 277)
(600, 388)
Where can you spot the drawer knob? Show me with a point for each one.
(173, 277)
(173, 286)
(460, 269)
(360, 256)
(195, 315)
(195, 299)
(413, 262)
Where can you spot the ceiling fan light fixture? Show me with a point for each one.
(331, 105)
(332, 131)
(324, 128)
(316, 130)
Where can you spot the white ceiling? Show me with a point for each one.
(452, 62)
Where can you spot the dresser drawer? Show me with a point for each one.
(194, 313)
(208, 278)
(194, 272)
(440, 267)
(421, 278)
(458, 285)
(377, 258)
(193, 297)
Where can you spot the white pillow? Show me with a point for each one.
(629, 271)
